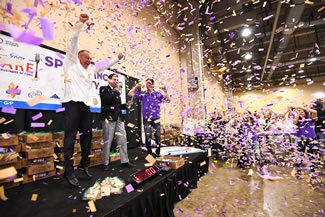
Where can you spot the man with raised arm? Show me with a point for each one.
(151, 101)
(77, 100)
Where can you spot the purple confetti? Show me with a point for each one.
(47, 28)
(38, 116)
(8, 9)
(8, 110)
(60, 109)
(60, 55)
(36, 124)
(14, 91)
(129, 188)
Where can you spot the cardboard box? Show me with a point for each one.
(38, 145)
(8, 158)
(38, 153)
(97, 133)
(77, 148)
(32, 178)
(114, 156)
(76, 160)
(97, 159)
(40, 168)
(96, 162)
(176, 162)
(98, 155)
(36, 137)
(96, 145)
(12, 148)
(61, 156)
(21, 163)
(58, 135)
(11, 141)
(4, 166)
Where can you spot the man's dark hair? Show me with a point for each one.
(82, 51)
(150, 79)
(112, 75)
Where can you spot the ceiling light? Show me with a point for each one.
(248, 56)
(246, 32)
(312, 59)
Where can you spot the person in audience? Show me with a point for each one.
(305, 121)
(151, 101)
(77, 101)
(188, 129)
(111, 119)
(319, 106)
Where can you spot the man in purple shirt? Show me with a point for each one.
(151, 101)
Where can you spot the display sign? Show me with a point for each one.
(145, 174)
(29, 71)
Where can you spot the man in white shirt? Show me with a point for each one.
(77, 101)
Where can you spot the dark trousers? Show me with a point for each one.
(77, 116)
(147, 129)
(312, 152)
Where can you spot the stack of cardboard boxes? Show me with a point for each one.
(9, 150)
(170, 135)
(37, 150)
(96, 148)
(59, 145)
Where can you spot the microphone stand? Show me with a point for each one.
(37, 60)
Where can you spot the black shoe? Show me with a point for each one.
(72, 180)
(85, 170)
(128, 164)
(105, 167)
(157, 151)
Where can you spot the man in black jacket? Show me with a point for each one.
(112, 123)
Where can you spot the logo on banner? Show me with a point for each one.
(16, 56)
(34, 93)
(14, 44)
(13, 90)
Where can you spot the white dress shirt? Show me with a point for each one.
(78, 80)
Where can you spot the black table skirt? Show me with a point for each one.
(160, 193)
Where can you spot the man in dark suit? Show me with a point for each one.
(112, 123)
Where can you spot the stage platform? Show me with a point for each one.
(154, 198)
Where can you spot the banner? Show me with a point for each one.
(29, 71)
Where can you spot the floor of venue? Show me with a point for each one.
(227, 191)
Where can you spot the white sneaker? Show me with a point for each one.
(250, 172)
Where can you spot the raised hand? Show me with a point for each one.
(83, 18)
(163, 88)
(138, 85)
(120, 56)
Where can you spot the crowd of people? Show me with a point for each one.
(293, 138)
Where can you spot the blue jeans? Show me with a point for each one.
(147, 129)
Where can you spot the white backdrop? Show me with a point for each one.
(18, 84)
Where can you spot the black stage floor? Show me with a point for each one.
(153, 198)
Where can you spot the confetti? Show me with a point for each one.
(8, 110)
(35, 124)
(34, 197)
(26, 37)
(47, 28)
(38, 116)
(129, 188)
(36, 100)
